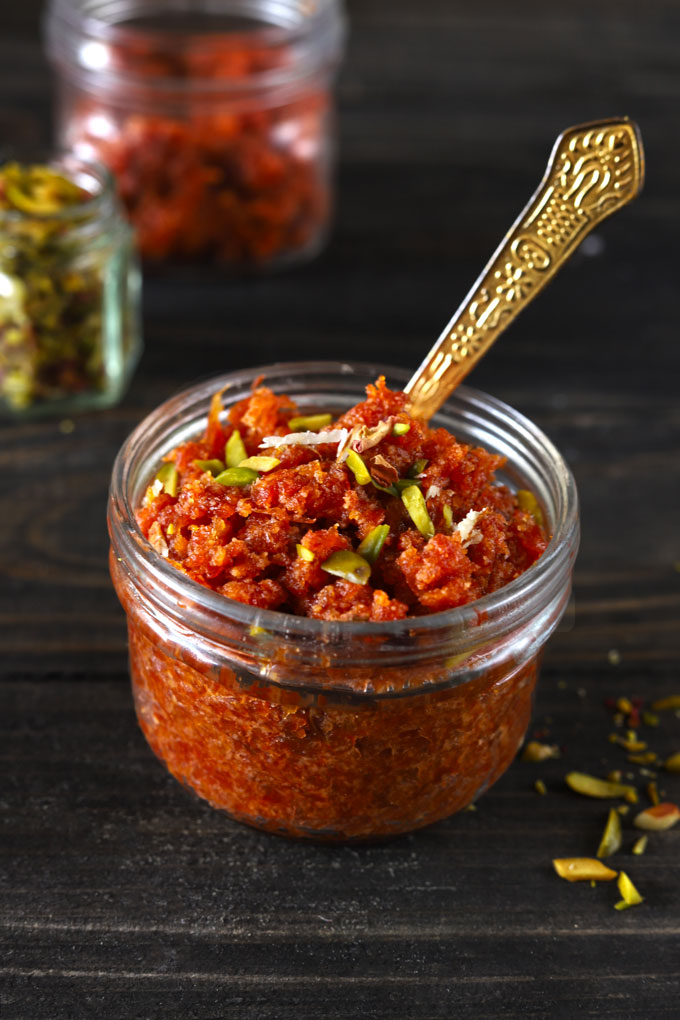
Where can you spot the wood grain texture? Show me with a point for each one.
(122, 894)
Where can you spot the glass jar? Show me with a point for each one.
(215, 118)
(326, 729)
(69, 298)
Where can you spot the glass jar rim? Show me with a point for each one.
(78, 32)
(499, 613)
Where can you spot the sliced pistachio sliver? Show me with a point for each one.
(167, 474)
(583, 869)
(234, 450)
(672, 764)
(666, 704)
(414, 501)
(263, 464)
(448, 516)
(640, 845)
(417, 468)
(215, 467)
(304, 553)
(370, 546)
(400, 428)
(528, 502)
(237, 476)
(535, 751)
(406, 483)
(590, 786)
(310, 422)
(611, 837)
(540, 787)
(658, 818)
(358, 468)
(630, 894)
(348, 565)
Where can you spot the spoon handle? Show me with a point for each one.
(593, 170)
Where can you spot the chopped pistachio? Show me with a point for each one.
(405, 483)
(658, 818)
(310, 422)
(349, 565)
(38, 190)
(590, 786)
(540, 787)
(358, 468)
(649, 719)
(528, 502)
(417, 468)
(647, 758)
(401, 428)
(237, 476)
(627, 744)
(448, 516)
(167, 474)
(630, 894)
(623, 809)
(234, 451)
(535, 751)
(611, 837)
(583, 869)
(53, 288)
(640, 845)
(624, 705)
(615, 776)
(215, 467)
(304, 553)
(666, 704)
(263, 464)
(414, 501)
(672, 764)
(372, 544)
(255, 630)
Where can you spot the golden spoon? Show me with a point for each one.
(593, 170)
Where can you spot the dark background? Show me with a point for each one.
(123, 897)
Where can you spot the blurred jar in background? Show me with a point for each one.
(69, 289)
(215, 117)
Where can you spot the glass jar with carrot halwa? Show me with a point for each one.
(216, 119)
(335, 612)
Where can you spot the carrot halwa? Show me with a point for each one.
(371, 516)
(299, 721)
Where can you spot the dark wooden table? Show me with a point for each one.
(124, 897)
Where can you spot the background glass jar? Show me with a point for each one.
(215, 118)
(336, 730)
(69, 293)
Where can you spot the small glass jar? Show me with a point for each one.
(215, 119)
(325, 729)
(69, 298)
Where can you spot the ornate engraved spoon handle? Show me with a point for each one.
(593, 170)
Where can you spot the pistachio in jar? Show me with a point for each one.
(69, 289)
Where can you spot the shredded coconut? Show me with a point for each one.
(306, 438)
(469, 534)
(434, 490)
